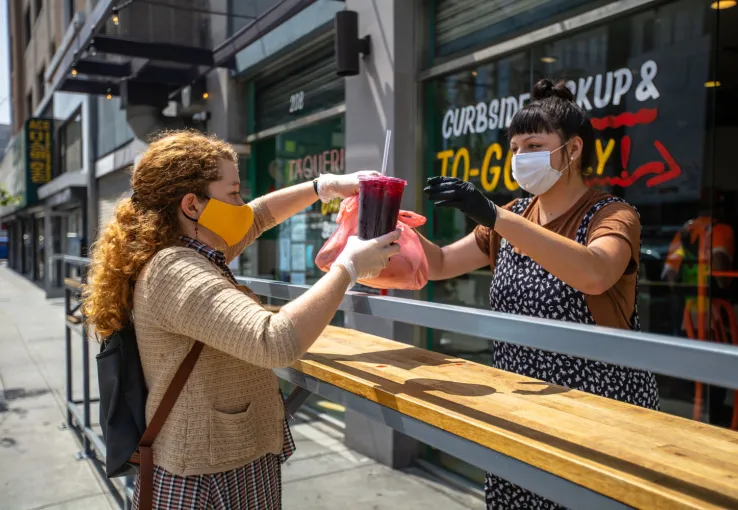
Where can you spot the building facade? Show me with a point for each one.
(36, 29)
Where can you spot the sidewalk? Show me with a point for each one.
(38, 468)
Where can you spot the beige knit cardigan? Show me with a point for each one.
(230, 411)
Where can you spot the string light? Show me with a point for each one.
(74, 71)
(205, 95)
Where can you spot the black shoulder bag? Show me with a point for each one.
(123, 408)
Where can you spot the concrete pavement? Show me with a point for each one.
(38, 469)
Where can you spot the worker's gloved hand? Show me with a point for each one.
(464, 196)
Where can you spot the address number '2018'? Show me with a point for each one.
(297, 102)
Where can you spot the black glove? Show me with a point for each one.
(464, 196)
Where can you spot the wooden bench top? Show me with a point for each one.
(75, 283)
(642, 458)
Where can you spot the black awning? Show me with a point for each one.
(153, 48)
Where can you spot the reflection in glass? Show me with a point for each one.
(113, 130)
(287, 252)
(70, 145)
(650, 82)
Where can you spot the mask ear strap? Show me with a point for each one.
(190, 217)
(570, 158)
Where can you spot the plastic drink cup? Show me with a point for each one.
(379, 205)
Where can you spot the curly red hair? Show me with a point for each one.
(176, 163)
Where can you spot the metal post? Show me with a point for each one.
(86, 391)
(296, 398)
(68, 343)
(86, 373)
(90, 147)
(128, 493)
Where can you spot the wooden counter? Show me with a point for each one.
(73, 283)
(642, 458)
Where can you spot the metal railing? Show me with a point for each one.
(687, 359)
(79, 411)
(667, 355)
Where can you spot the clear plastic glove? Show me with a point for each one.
(366, 259)
(332, 186)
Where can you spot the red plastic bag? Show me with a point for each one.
(408, 270)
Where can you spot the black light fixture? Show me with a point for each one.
(348, 44)
(75, 56)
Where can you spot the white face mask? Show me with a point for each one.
(533, 171)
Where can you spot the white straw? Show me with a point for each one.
(386, 151)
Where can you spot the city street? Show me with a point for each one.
(38, 468)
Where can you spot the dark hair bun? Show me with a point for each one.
(546, 88)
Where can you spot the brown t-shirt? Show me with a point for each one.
(614, 307)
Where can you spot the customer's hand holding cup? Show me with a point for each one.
(366, 259)
(332, 186)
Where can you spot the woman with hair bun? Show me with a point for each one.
(161, 266)
(567, 253)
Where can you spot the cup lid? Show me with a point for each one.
(382, 178)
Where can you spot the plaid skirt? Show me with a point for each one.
(256, 486)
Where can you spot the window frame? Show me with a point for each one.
(61, 143)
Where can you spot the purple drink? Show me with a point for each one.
(379, 205)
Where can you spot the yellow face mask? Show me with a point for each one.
(230, 222)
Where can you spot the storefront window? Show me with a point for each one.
(722, 86)
(27, 234)
(113, 130)
(648, 82)
(472, 111)
(287, 253)
(73, 233)
(660, 86)
(39, 249)
(70, 145)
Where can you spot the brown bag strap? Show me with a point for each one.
(145, 455)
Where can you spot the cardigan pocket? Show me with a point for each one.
(232, 436)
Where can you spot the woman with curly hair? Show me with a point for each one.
(162, 266)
